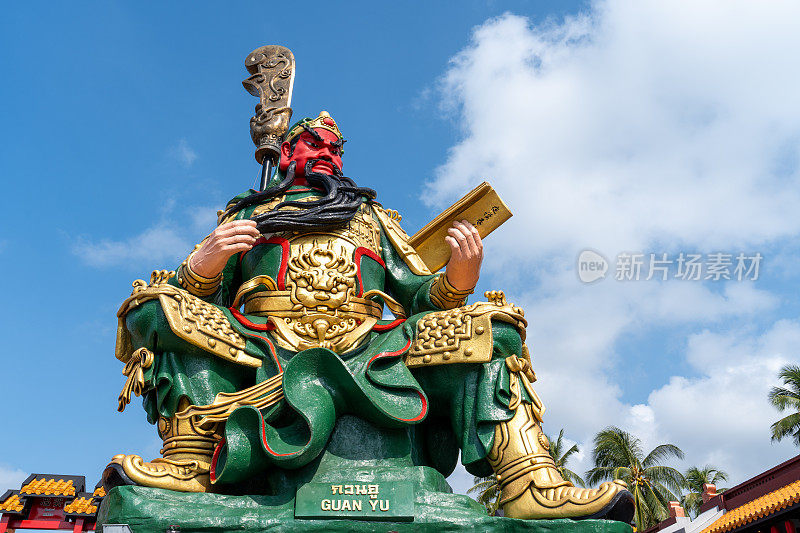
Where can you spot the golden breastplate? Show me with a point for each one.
(319, 301)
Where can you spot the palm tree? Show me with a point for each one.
(488, 490)
(787, 397)
(695, 479)
(561, 456)
(618, 455)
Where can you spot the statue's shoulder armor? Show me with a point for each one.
(390, 222)
(233, 201)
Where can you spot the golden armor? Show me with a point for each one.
(185, 462)
(530, 484)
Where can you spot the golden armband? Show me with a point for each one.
(195, 283)
(445, 296)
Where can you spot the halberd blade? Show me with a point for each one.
(272, 70)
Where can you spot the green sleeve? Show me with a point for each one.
(411, 290)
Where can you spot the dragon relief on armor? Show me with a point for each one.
(322, 282)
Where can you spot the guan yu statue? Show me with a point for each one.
(307, 304)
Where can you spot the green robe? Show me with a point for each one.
(447, 407)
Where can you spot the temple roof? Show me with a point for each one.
(68, 489)
(52, 485)
(83, 505)
(11, 503)
(761, 507)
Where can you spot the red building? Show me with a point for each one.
(766, 503)
(50, 501)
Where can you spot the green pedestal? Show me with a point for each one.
(154, 510)
(366, 480)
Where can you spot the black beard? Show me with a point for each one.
(340, 203)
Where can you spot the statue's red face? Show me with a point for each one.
(308, 148)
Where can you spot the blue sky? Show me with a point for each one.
(610, 126)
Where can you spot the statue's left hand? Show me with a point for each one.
(464, 267)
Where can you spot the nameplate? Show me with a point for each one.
(384, 500)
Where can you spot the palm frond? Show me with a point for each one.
(642, 515)
(613, 446)
(572, 477)
(660, 453)
(599, 474)
(666, 475)
(556, 445)
(566, 455)
(697, 477)
(691, 503)
(480, 487)
(788, 425)
(656, 504)
(489, 495)
(618, 455)
(646, 509)
(488, 490)
(787, 397)
(665, 495)
(790, 374)
(783, 398)
(719, 476)
(622, 472)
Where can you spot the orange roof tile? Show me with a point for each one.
(12, 504)
(80, 505)
(758, 508)
(99, 492)
(49, 487)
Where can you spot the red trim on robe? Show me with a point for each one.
(270, 450)
(269, 326)
(422, 397)
(284, 257)
(271, 347)
(361, 251)
(386, 327)
(217, 449)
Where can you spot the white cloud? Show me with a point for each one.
(636, 123)
(183, 153)
(724, 416)
(639, 127)
(162, 245)
(11, 478)
(154, 245)
(204, 218)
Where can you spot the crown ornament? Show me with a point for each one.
(323, 121)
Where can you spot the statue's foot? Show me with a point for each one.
(610, 501)
(531, 486)
(181, 475)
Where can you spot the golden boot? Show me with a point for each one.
(184, 465)
(530, 484)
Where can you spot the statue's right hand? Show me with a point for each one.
(228, 239)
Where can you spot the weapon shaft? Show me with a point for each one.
(266, 172)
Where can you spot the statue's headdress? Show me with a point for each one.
(324, 121)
